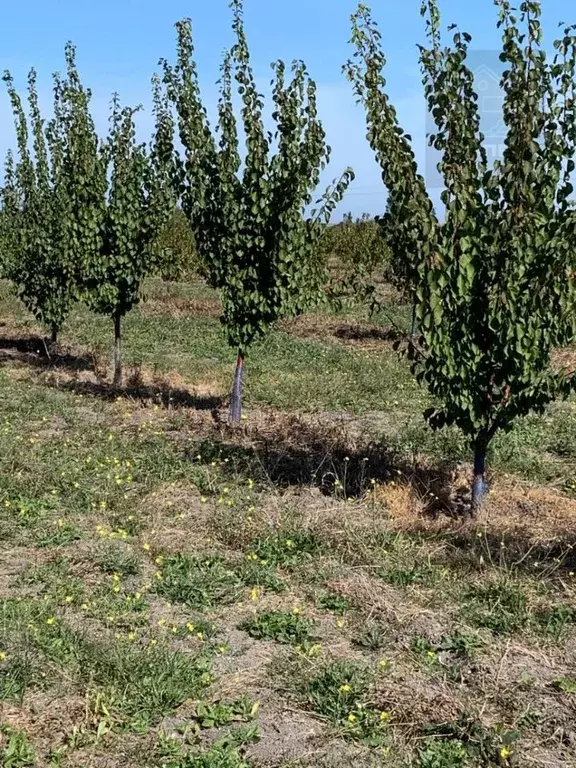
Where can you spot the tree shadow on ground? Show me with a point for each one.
(35, 351)
(157, 394)
(286, 451)
(289, 450)
(367, 333)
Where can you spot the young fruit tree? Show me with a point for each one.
(248, 209)
(177, 250)
(358, 256)
(137, 204)
(9, 212)
(494, 282)
(52, 198)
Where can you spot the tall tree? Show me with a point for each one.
(55, 189)
(494, 283)
(9, 214)
(248, 214)
(138, 203)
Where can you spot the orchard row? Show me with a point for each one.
(491, 277)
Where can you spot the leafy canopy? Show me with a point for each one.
(52, 197)
(137, 205)
(494, 282)
(248, 214)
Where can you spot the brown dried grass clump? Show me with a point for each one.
(401, 502)
(535, 513)
(44, 719)
(178, 307)
(564, 359)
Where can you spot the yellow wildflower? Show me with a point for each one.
(345, 688)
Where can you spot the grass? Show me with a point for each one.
(283, 627)
(199, 583)
(177, 594)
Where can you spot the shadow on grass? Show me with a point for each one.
(287, 450)
(158, 394)
(368, 333)
(35, 351)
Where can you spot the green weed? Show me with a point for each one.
(555, 621)
(371, 636)
(254, 573)
(198, 582)
(466, 742)
(142, 683)
(500, 606)
(18, 752)
(288, 547)
(338, 689)
(116, 558)
(220, 713)
(16, 676)
(565, 684)
(283, 627)
(332, 601)
(442, 754)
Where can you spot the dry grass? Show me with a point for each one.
(171, 306)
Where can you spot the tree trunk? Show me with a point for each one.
(53, 336)
(236, 399)
(480, 487)
(117, 350)
(413, 327)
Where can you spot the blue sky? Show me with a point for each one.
(120, 41)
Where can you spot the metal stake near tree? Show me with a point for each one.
(52, 198)
(254, 242)
(494, 283)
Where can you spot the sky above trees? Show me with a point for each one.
(120, 41)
